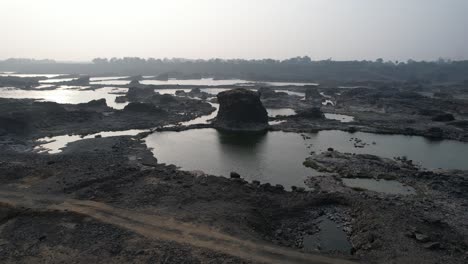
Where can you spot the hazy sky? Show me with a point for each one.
(321, 29)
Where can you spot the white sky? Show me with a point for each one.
(338, 29)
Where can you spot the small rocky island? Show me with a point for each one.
(241, 110)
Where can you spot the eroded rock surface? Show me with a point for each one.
(241, 110)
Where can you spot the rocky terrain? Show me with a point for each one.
(109, 200)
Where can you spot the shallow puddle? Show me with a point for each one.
(330, 238)
(341, 118)
(280, 112)
(53, 145)
(381, 186)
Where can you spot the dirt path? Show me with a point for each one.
(159, 227)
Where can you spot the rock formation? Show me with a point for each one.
(142, 108)
(241, 110)
(311, 113)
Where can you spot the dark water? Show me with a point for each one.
(330, 238)
(277, 157)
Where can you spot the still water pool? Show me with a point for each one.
(68, 95)
(277, 157)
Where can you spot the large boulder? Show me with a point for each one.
(241, 110)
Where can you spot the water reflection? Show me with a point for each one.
(277, 156)
(330, 238)
(68, 95)
(274, 157)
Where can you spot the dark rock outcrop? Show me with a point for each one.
(142, 107)
(435, 132)
(267, 93)
(135, 94)
(163, 99)
(241, 110)
(311, 113)
(100, 103)
(443, 118)
(195, 92)
(134, 82)
(121, 99)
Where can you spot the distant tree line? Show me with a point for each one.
(293, 69)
